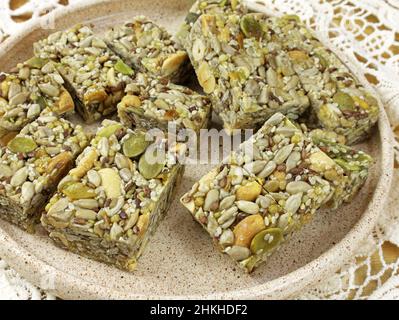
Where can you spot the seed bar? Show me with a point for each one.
(110, 204)
(149, 48)
(339, 102)
(247, 78)
(24, 93)
(94, 75)
(151, 103)
(33, 163)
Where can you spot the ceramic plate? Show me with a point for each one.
(180, 261)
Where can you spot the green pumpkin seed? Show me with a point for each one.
(21, 144)
(77, 190)
(135, 145)
(123, 68)
(41, 102)
(36, 63)
(251, 27)
(109, 131)
(324, 63)
(344, 101)
(192, 17)
(152, 167)
(259, 244)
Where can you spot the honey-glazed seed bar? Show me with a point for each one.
(94, 75)
(109, 205)
(149, 48)
(280, 180)
(207, 7)
(339, 102)
(246, 76)
(32, 165)
(151, 103)
(355, 163)
(24, 93)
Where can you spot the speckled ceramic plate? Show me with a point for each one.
(180, 261)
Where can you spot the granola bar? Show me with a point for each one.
(33, 86)
(151, 103)
(33, 163)
(263, 192)
(147, 47)
(339, 101)
(207, 7)
(355, 163)
(108, 206)
(94, 75)
(243, 72)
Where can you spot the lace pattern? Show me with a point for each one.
(367, 32)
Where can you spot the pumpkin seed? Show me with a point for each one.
(123, 68)
(135, 145)
(151, 164)
(36, 63)
(251, 27)
(344, 101)
(109, 130)
(22, 144)
(266, 240)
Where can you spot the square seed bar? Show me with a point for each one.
(251, 203)
(355, 163)
(233, 208)
(339, 102)
(24, 93)
(94, 75)
(112, 201)
(32, 165)
(207, 7)
(242, 72)
(287, 162)
(147, 47)
(151, 103)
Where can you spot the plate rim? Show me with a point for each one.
(282, 287)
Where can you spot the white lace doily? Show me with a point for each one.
(367, 32)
